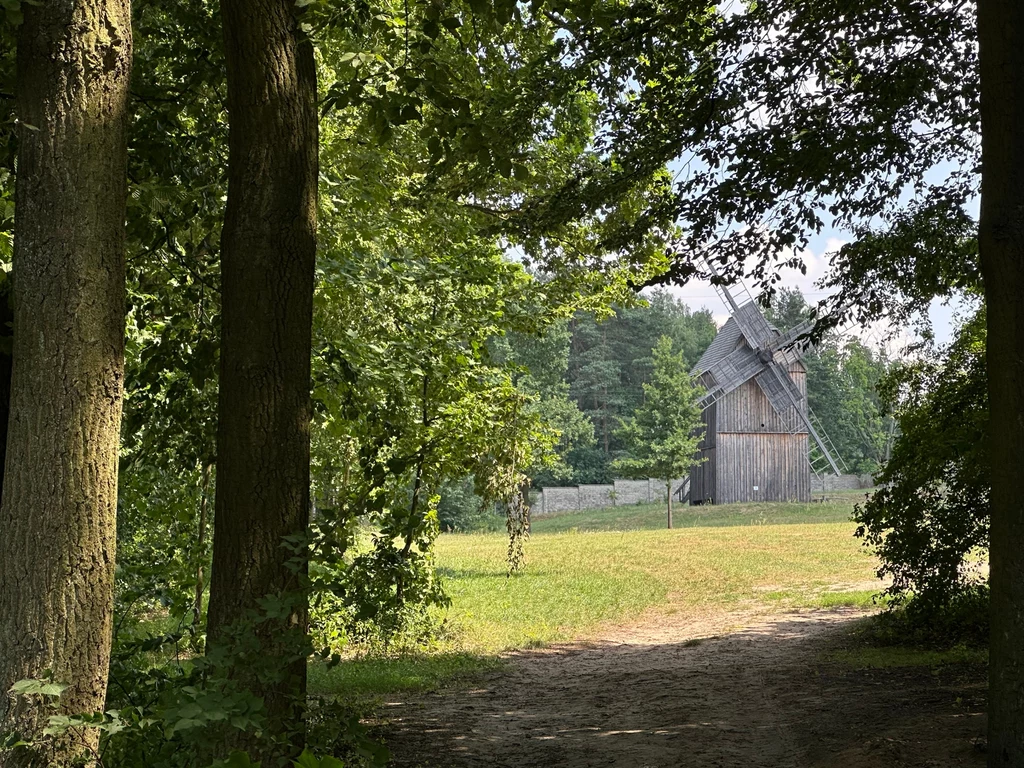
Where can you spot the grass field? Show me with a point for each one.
(587, 570)
(652, 516)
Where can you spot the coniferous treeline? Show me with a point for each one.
(607, 361)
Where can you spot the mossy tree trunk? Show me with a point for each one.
(268, 258)
(58, 513)
(1001, 243)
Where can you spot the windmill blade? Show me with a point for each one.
(828, 450)
(784, 395)
(748, 317)
(736, 368)
(779, 388)
(755, 329)
(821, 441)
(786, 347)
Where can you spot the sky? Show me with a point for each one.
(698, 294)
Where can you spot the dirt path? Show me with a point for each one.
(670, 693)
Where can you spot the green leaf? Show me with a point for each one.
(240, 760)
(37, 687)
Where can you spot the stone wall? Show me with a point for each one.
(597, 496)
(558, 500)
(624, 493)
(842, 482)
(632, 492)
(620, 493)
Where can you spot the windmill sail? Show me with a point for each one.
(755, 328)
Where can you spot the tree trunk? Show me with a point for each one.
(524, 494)
(268, 253)
(669, 484)
(6, 340)
(58, 513)
(1001, 243)
(204, 505)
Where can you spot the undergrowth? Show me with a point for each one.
(917, 634)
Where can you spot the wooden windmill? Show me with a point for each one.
(757, 423)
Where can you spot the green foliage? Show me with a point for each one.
(37, 688)
(174, 715)
(6, 216)
(516, 105)
(843, 377)
(407, 395)
(962, 621)
(929, 520)
(928, 251)
(610, 360)
(460, 509)
(891, 114)
(664, 431)
(308, 760)
(543, 361)
(177, 161)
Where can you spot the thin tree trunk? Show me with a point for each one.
(670, 503)
(524, 493)
(268, 254)
(1001, 243)
(58, 513)
(204, 501)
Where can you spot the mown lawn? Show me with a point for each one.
(837, 509)
(580, 578)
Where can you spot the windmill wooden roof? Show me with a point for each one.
(725, 341)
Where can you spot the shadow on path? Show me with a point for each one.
(665, 695)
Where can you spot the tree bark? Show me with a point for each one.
(6, 320)
(1001, 243)
(268, 256)
(58, 513)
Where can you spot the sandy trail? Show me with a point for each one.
(716, 691)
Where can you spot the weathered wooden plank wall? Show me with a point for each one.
(762, 467)
(749, 452)
(746, 409)
(702, 474)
